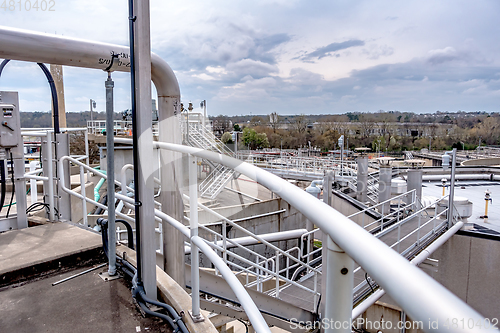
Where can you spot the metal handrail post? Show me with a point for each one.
(339, 286)
(452, 189)
(193, 224)
(84, 200)
(49, 161)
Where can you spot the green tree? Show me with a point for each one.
(227, 138)
(254, 140)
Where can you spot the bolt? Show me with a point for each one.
(344, 271)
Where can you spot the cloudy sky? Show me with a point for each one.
(288, 56)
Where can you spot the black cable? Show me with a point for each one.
(13, 185)
(2, 65)
(366, 278)
(130, 233)
(53, 91)
(135, 143)
(3, 181)
(156, 314)
(246, 325)
(54, 96)
(139, 291)
(104, 201)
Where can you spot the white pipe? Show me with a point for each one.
(249, 240)
(418, 294)
(361, 308)
(33, 188)
(50, 162)
(193, 229)
(472, 176)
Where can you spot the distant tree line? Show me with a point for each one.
(444, 130)
(39, 119)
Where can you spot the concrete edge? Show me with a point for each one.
(172, 293)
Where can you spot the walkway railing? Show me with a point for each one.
(418, 294)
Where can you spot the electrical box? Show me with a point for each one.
(10, 122)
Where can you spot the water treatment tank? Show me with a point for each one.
(463, 207)
(398, 186)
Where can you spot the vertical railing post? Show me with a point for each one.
(48, 161)
(33, 188)
(337, 277)
(452, 189)
(84, 200)
(87, 151)
(193, 224)
(338, 287)
(277, 274)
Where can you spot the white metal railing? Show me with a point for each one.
(377, 259)
(288, 164)
(120, 127)
(33, 175)
(196, 242)
(417, 293)
(260, 268)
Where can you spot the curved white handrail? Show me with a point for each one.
(422, 298)
(253, 313)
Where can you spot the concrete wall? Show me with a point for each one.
(383, 317)
(347, 208)
(470, 268)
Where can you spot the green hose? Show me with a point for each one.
(97, 196)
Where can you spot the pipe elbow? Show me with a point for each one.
(164, 78)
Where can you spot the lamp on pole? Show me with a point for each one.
(92, 106)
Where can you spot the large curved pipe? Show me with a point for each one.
(18, 44)
(417, 293)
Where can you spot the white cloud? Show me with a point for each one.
(233, 51)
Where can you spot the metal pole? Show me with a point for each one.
(144, 169)
(338, 290)
(49, 160)
(193, 224)
(84, 195)
(91, 116)
(452, 189)
(33, 188)
(86, 138)
(110, 172)
(337, 278)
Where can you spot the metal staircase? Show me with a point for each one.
(199, 136)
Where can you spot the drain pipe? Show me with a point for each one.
(110, 172)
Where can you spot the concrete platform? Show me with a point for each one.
(83, 304)
(26, 252)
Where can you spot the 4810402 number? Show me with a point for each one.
(28, 5)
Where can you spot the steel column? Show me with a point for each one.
(384, 188)
(193, 224)
(110, 173)
(142, 63)
(414, 182)
(362, 179)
